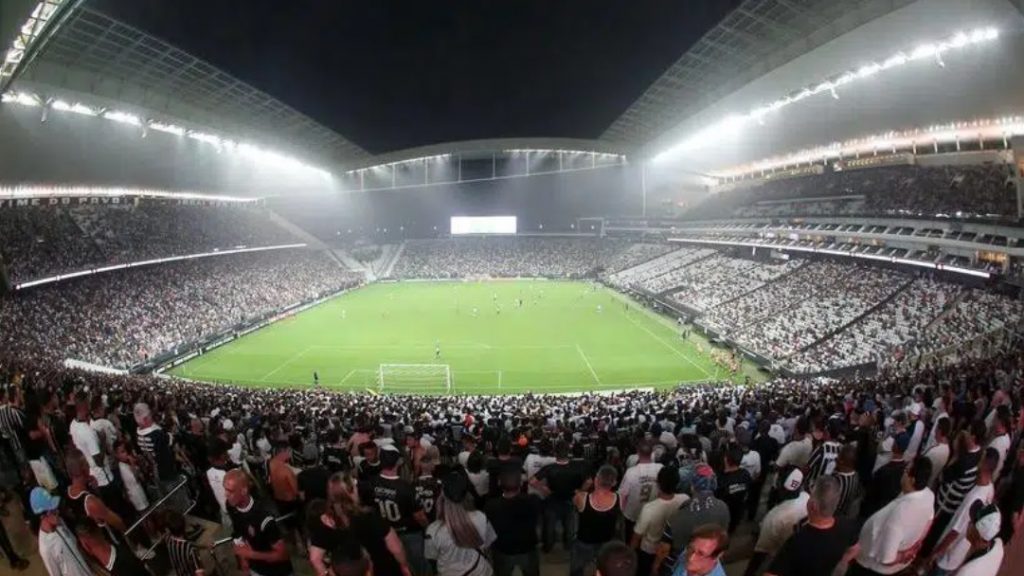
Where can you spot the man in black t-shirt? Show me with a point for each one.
(504, 462)
(258, 543)
(335, 456)
(395, 499)
(821, 543)
(427, 486)
(369, 466)
(733, 485)
(158, 447)
(514, 517)
(559, 482)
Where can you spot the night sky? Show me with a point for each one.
(392, 74)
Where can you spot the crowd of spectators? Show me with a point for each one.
(721, 278)
(968, 191)
(509, 257)
(872, 473)
(976, 314)
(885, 333)
(120, 319)
(659, 273)
(816, 312)
(42, 241)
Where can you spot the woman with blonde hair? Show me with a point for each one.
(341, 517)
(458, 538)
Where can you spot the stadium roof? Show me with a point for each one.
(754, 39)
(95, 53)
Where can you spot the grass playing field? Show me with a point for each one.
(558, 341)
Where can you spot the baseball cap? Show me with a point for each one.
(704, 479)
(42, 501)
(987, 520)
(793, 481)
(389, 456)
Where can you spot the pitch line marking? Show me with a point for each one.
(587, 361)
(293, 358)
(667, 345)
(347, 376)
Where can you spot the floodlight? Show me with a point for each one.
(168, 128)
(122, 117)
(204, 137)
(76, 108)
(23, 98)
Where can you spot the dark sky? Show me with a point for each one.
(392, 74)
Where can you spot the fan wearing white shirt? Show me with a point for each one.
(953, 547)
(985, 555)
(1001, 437)
(638, 485)
(938, 453)
(891, 538)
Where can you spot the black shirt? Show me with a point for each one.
(811, 551)
(156, 444)
(368, 470)
(515, 523)
(336, 459)
(427, 490)
(396, 501)
(313, 482)
(496, 467)
(371, 531)
(732, 489)
(884, 488)
(257, 527)
(563, 479)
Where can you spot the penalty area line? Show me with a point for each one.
(589, 365)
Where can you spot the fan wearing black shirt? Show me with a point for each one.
(820, 544)
(768, 449)
(886, 483)
(395, 499)
(514, 517)
(335, 457)
(369, 466)
(258, 542)
(559, 482)
(158, 446)
(733, 485)
(504, 462)
(427, 486)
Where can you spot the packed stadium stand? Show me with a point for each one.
(820, 222)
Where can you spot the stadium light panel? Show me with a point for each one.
(122, 117)
(76, 108)
(167, 128)
(758, 113)
(23, 98)
(204, 137)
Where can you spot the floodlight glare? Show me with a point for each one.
(204, 137)
(122, 117)
(76, 108)
(22, 98)
(168, 128)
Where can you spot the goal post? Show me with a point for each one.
(414, 378)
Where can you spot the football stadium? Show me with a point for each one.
(704, 288)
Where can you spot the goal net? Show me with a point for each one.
(414, 378)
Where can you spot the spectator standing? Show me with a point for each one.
(733, 486)
(1000, 441)
(957, 479)
(395, 499)
(887, 481)
(651, 525)
(427, 486)
(599, 513)
(259, 546)
(158, 446)
(985, 555)
(559, 482)
(823, 542)
(182, 552)
(780, 522)
(823, 457)
(768, 450)
(639, 484)
(456, 541)
(951, 551)
(615, 559)
(703, 555)
(701, 509)
(57, 545)
(849, 482)
(891, 538)
(938, 451)
(514, 516)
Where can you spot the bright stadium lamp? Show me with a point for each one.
(167, 128)
(122, 117)
(76, 108)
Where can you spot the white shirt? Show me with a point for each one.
(532, 465)
(898, 526)
(958, 550)
(796, 453)
(987, 565)
(106, 428)
(136, 494)
(215, 476)
(751, 462)
(638, 487)
(935, 424)
(651, 524)
(778, 524)
(939, 456)
(60, 553)
(916, 436)
(86, 440)
(453, 560)
(1002, 445)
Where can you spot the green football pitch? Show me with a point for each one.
(566, 337)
